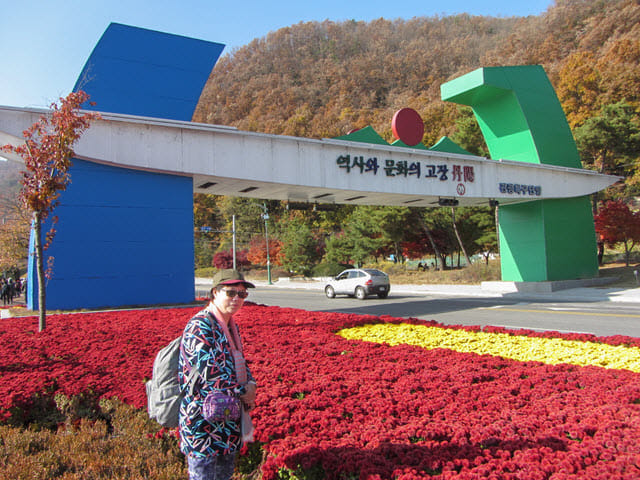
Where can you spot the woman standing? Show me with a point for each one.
(211, 344)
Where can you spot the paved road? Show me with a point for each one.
(602, 318)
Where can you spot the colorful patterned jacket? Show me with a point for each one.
(205, 347)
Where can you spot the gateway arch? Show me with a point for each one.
(125, 230)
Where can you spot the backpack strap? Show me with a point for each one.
(193, 372)
(191, 379)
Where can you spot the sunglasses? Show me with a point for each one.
(232, 293)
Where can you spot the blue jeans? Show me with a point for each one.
(211, 468)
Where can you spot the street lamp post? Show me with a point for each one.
(233, 219)
(265, 216)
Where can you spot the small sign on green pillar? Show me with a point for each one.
(521, 119)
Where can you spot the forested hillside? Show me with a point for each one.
(321, 79)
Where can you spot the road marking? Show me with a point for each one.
(502, 306)
(592, 314)
(520, 327)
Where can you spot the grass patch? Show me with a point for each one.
(478, 273)
(472, 275)
(626, 277)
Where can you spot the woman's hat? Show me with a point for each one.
(229, 276)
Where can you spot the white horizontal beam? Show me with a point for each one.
(226, 161)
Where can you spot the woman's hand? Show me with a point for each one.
(249, 398)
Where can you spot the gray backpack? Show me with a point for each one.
(163, 390)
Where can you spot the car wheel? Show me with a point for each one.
(329, 291)
(383, 295)
(360, 293)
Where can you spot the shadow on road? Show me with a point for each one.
(408, 306)
(412, 306)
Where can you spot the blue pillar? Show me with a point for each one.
(125, 237)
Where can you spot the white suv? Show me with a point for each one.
(359, 282)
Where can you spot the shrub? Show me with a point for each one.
(225, 259)
(473, 274)
(329, 269)
(123, 443)
(392, 268)
(207, 272)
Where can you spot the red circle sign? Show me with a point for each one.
(407, 126)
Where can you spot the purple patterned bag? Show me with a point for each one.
(220, 407)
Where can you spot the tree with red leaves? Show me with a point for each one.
(257, 253)
(616, 223)
(225, 259)
(47, 152)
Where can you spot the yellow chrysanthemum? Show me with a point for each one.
(516, 347)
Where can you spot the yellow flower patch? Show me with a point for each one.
(516, 347)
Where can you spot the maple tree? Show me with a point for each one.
(225, 259)
(416, 249)
(257, 253)
(615, 223)
(47, 152)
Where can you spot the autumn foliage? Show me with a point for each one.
(257, 253)
(14, 233)
(48, 151)
(616, 224)
(321, 79)
(225, 259)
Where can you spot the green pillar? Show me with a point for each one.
(521, 119)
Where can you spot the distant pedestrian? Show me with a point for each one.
(11, 290)
(4, 291)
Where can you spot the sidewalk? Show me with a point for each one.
(487, 290)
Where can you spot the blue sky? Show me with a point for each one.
(45, 43)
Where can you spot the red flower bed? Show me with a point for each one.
(353, 408)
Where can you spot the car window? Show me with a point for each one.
(353, 274)
(342, 276)
(375, 273)
(362, 274)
